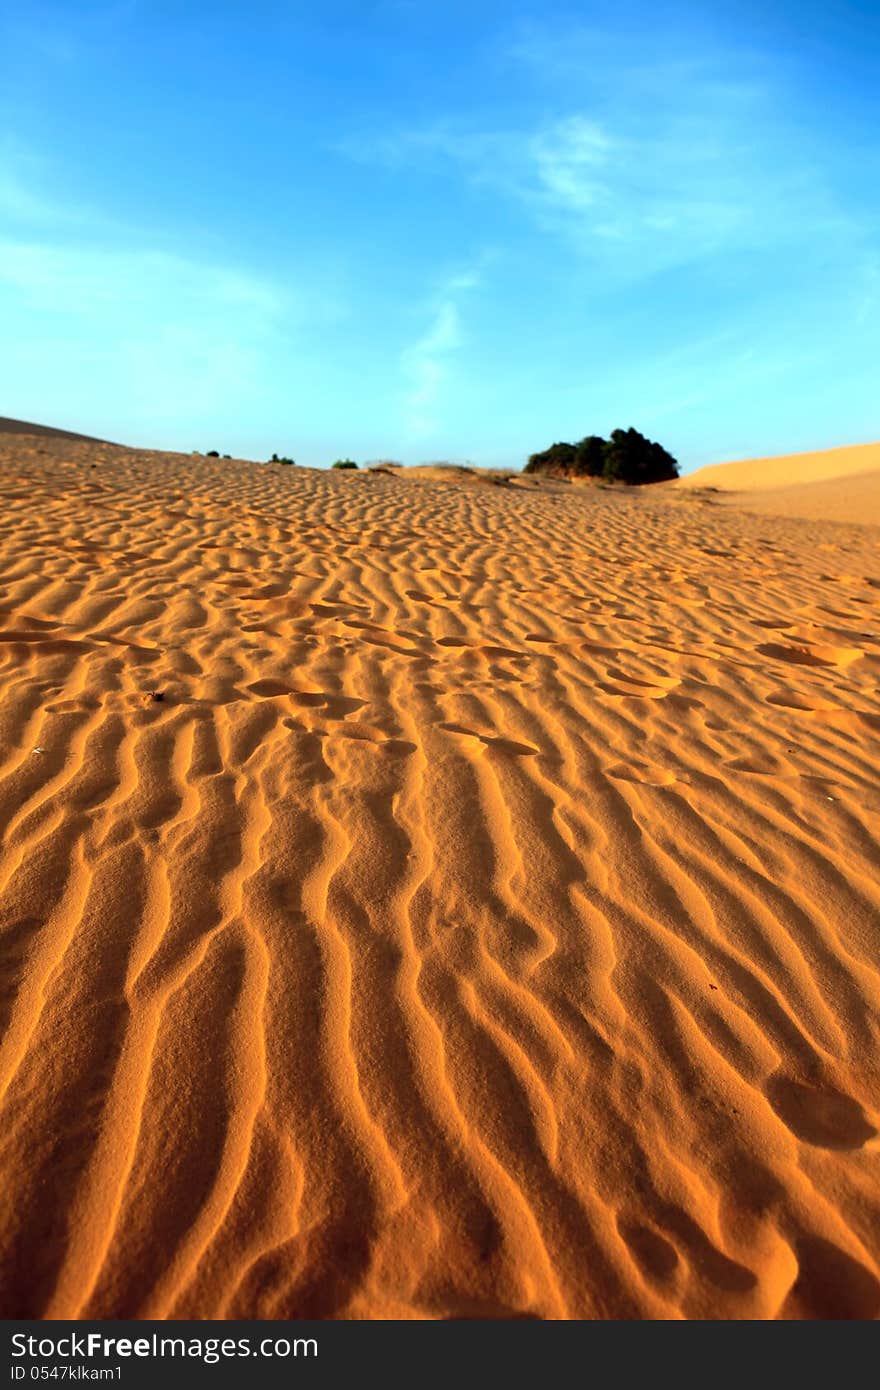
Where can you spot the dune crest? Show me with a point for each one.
(432, 900)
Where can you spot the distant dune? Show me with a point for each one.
(430, 899)
(830, 485)
(8, 426)
(756, 475)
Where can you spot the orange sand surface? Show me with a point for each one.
(483, 922)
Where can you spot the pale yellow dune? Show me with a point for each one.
(754, 475)
(853, 498)
(831, 485)
(432, 900)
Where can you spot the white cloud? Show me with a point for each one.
(89, 306)
(25, 196)
(668, 193)
(427, 362)
(666, 158)
(96, 281)
(869, 291)
(19, 203)
(566, 160)
(173, 336)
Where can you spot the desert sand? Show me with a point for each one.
(432, 900)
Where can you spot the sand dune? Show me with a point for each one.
(9, 426)
(788, 470)
(831, 485)
(847, 499)
(432, 900)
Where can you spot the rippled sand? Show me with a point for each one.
(432, 899)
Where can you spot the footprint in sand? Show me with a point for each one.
(502, 653)
(390, 747)
(789, 699)
(830, 1284)
(759, 766)
(808, 655)
(823, 712)
(655, 1256)
(644, 774)
(493, 742)
(418, 596)
(334, 706)
(819, 1115)
(633, 690)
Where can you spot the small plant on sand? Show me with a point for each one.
(212, 454)
(344, 463)
(289, 462)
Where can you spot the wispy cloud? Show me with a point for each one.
(18, 203)
(869, 293)
(635, 200)
(98, 281)
(427, 363)
(568, 163)
(180, 337)
(666, 160)
(85, 300)
(26, 198)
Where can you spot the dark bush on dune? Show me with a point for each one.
(627, 457)
(276, 459)
(589, 457)
(631, 458)
(212, 454)
(559, 458)
(344, 463)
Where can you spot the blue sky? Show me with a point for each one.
(421, 230)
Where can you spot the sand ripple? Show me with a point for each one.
(432, 899)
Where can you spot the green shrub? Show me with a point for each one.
(212, 454)
(589, 459)
(559, 458)
(631, 458)
(344, 463)
(627, 457)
